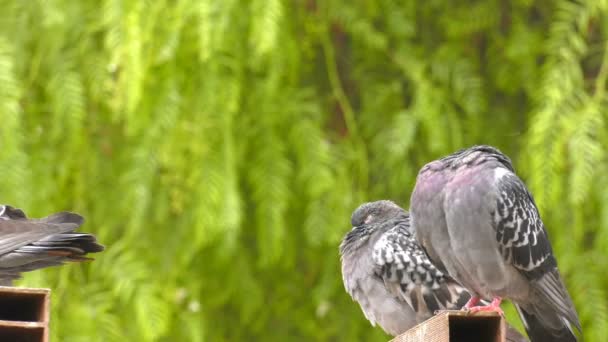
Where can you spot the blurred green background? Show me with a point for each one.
(218, 148)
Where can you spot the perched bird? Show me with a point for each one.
(30, 244)
(478, 223)
(390, 276)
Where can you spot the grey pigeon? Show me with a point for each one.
(390, 276)
(30, 244)
(478, 223)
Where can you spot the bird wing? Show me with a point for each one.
(520, 232)
(17, 231)
(523, 242)
(30, 244)
(379, 305)
(410, 275)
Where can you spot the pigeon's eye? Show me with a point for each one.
(368, 219)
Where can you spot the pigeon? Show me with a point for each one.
(389, 274)
(31, 244)
(479, 224)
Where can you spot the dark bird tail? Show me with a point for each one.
(538, 332)
(72, 246)
(551, 315)
(514, 336)
(64, 217)
(40, 243)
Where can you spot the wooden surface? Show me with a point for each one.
(457, 326)
(24, 314)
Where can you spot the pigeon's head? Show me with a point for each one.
(472, 156)
(368, 219)
(373, 212)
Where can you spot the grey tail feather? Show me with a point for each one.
(78, 243)
(552, 304)
(514, 336)
(538, 331)
(64, 217)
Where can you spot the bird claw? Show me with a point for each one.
(494, 306)
(487, 308)
(470, 303)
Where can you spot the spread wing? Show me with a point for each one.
(409, 274)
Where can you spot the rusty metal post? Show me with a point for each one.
(457, 326)
(24, 314)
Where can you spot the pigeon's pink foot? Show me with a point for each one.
(471, 303)
(494, 306)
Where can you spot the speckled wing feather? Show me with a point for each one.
(409, 274)
(523, 241)
(520, 232)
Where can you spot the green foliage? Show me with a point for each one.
(219, 147)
